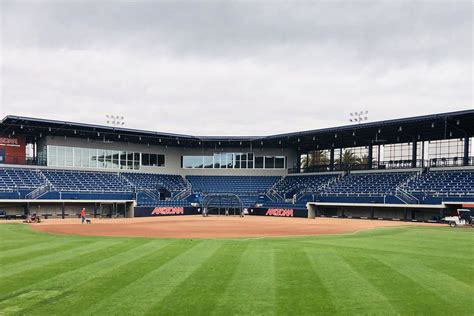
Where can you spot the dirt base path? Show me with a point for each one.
(212, 227)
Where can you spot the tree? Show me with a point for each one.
(314, 158)
(348, 158)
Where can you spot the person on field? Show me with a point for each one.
(83, 215)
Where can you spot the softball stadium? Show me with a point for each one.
(99, 220)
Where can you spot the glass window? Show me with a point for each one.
(161, 160)
(192, 162)
(269, 162)
(85, 157)
(146, 160)
(208, 162)
(279, 162)
(259, 162)
(101, 154)
(77, 157)
(123, 160)
(153, 160)
(136, 161)
(61, 156)
(115, 159)
(108, 159)
(250, 164)
(217, 160)
(230, 160)
(52, 155)
(237, 161)
(223, 161)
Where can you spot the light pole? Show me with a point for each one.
(115, 120)
(358, 116)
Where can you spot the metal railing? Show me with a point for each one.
(388, 164)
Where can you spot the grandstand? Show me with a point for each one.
(72, 162)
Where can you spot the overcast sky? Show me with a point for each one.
(234, 68)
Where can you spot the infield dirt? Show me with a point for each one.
(213, 227)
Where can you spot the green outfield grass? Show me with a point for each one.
(413, 270)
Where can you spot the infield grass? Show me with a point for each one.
(411, 270)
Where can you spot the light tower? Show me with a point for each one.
(115, 120)
(358, 116)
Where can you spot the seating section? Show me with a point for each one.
(290, 185)
(87, 181)
(252, 185)
(154, 182)
(443, 183)
(370, 184)
(17, 179)
(431, 187)
(246, 187)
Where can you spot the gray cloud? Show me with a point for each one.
(234, 67)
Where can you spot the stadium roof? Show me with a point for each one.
(428, 127)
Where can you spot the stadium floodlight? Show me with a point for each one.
(115, 120)
(358, 116)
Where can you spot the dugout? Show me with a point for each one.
(404, 212)
(18, 209)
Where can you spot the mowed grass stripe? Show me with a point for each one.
(200, 293)
(251, 291)
(62, 284)
(30, 254)
(435, 281)
(74, 250)
(73, 270)
(22, 247)
(414, 270)
(349, 292)
(168, 274)
(404, 294)
(100, 287)
(383, 247)
(298, 286)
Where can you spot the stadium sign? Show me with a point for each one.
(279, 212)
(168, 211)
(6, 141)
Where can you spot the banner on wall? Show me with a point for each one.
(168, 211)
(279, 212)
(12, 149)
(145, 211)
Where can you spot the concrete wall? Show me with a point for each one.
(173, 156)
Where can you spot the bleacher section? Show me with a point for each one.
(172, 183)
(451, 185)
(430, 187)
(370, 184)
(148, 186)
(291, 185)
(14, 178)
(247, 187)
(16, 182)
(231, 184)
(87, 181)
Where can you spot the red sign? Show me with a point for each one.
(279, 212)
(13, 149)
(168, 211)
(9, 141)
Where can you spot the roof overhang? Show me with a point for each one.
(421, 128)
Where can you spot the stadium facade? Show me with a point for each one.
(416, 168)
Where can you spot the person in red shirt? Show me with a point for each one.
(83, 215)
